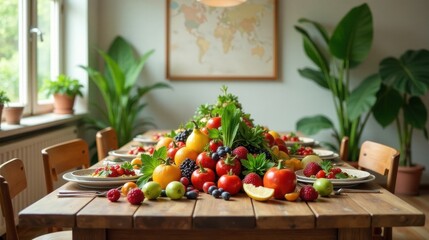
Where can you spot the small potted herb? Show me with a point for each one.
(64, 89)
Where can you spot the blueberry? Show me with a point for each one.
(163, 193)
(211, 189)
(227, 149)
(226, 196)
(221, 152)
(221, 190)
(215, 156)
(216, 193)
(191, 195)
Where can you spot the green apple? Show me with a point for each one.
(152, 190)
(175, 190)
(323, 186)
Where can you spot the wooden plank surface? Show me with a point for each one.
(276, 214)
(217, 213)
(388, 210)
(101, 213)
(339, 211)
(164, 213)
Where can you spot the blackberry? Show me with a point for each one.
(255, 150)
(183, 135)
(187, 167)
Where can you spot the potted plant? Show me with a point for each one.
(404, 81)
(64, 89)
(121, 92)
(13, 114)
(3, 100)
(335, 56)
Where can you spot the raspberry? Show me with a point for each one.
(113, 195)
(308, 193)
(253, 178)
(312, 168)
(135, 196)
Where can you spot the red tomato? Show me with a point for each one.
(202, 175)
(171, 152)
(282, 180)
(214, 144)
(230, 183)
(206, 186)
(214, 122)
(224, 165)
(206, 161)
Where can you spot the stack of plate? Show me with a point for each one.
(145, 140)
(303, 141)
(360, 177)
(83, 178)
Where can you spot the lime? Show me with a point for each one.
(258, 193)
(310, 158)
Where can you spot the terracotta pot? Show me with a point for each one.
(63, 104)
(408, 180)
(13, 114)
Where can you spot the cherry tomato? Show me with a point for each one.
(206, 161)
(230, 183)
(224, 165)
(206, 186)
(282, 180)
(171, 152)
(214, 144)
(202, 175)
(214, 122)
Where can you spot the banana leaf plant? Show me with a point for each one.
(121, 92)
(404, 82)
(335, 56)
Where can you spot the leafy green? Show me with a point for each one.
(257, 164)
(231, 119)
(150, 163)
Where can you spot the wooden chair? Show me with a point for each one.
(106, 140)
(64, 156)
(344, 149)
(384, 160)
(12, 182)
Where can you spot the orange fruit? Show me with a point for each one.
(127, 187)
(183, 153)
(136, 163)
(292, 197)
(163, 142)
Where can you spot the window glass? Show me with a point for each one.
(43, 46)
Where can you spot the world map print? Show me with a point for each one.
(219, 43)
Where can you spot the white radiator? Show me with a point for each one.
(29, 150)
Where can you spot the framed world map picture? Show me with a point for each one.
(221, 43)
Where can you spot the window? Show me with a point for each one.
(29, 50)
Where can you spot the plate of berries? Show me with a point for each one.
(335, 175)
(108, 173)
(291, 139)
(127, 155)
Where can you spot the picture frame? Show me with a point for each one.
(221, 43)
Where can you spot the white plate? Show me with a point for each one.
(123, 154)
(360, 175)
(145, 140)
(333, 156)
(85, 174)
(95, 184)
(323, 153)
(303, 141)
(342, 184)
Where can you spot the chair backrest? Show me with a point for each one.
(12, 182)
(106, 140)
(62, 157)
(381, 159)
(344, 149)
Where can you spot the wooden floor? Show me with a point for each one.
(399, 233)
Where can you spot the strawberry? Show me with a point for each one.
(311, 168)
(240, 152)
(308, 193)
(321, 174)
(253, 178)
(135, 196)
(113, 195)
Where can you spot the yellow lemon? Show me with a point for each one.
(258, 193)
(310, 158)
(274, 134)
(136, 163)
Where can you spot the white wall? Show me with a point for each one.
(399, 25)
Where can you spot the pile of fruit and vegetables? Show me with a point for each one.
(220, 151)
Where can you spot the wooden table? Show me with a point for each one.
(347, 216)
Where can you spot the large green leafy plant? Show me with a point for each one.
(120, 90)
(404, 81)
(335, 56)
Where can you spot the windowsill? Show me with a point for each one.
(39, 122)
